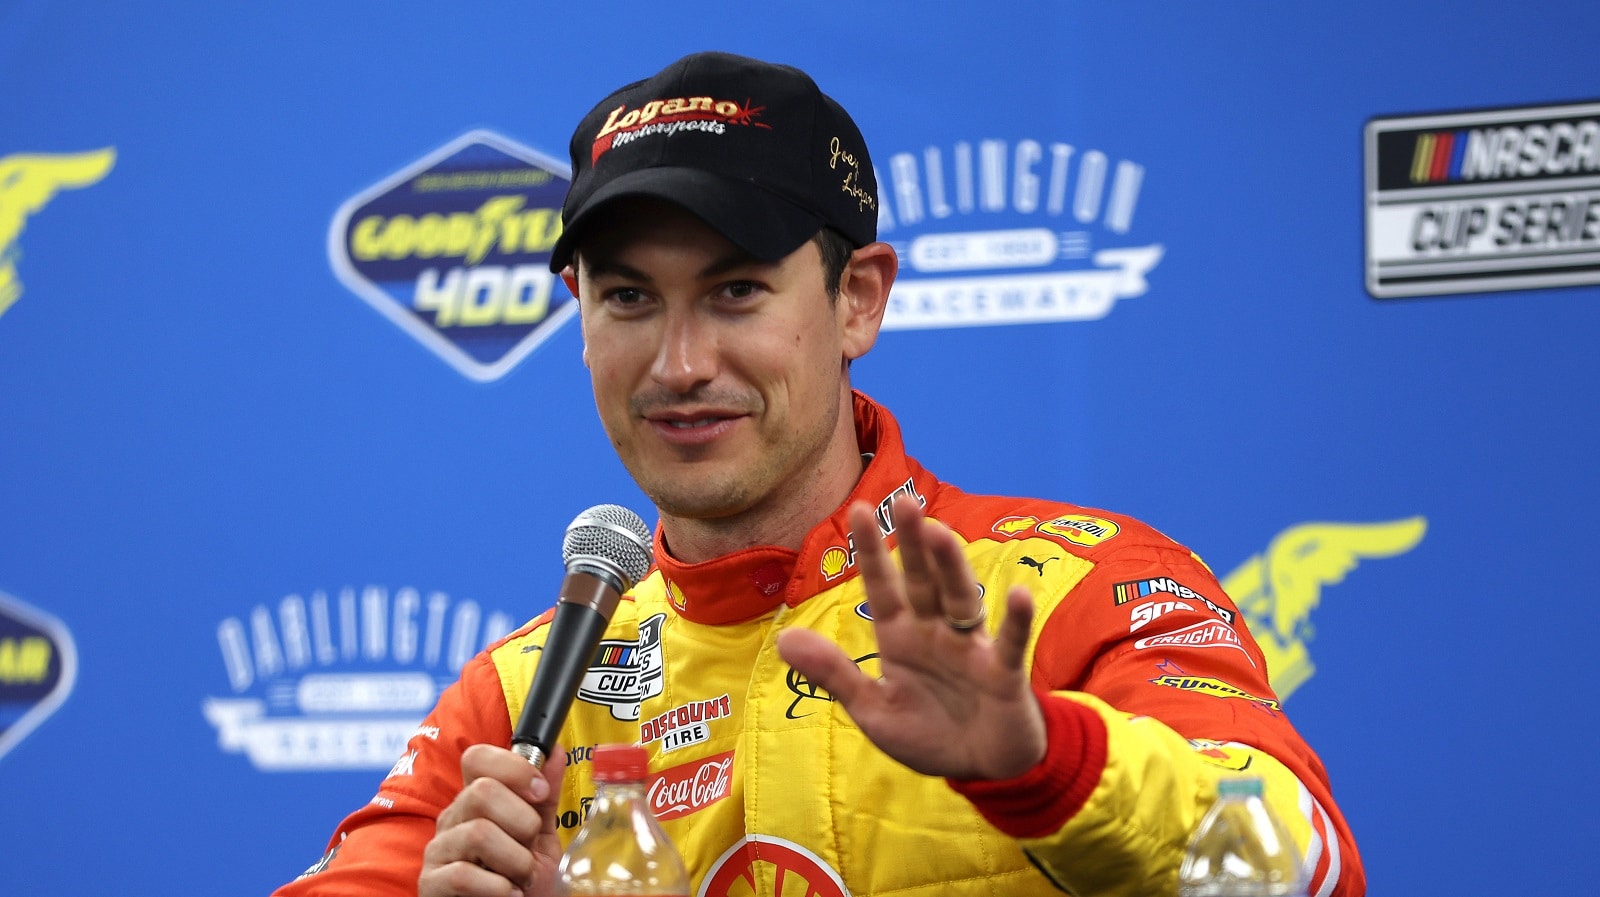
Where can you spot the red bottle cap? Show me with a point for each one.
(620, 763)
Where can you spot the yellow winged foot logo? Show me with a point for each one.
(27, 182)
(1277, 589)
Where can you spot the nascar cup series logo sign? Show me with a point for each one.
(1011, 232)
(1496, 200)
(38, 664)
(455, 249)
(340, 681)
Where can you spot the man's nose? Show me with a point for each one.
(687, 356)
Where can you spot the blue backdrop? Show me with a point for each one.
(290, 424)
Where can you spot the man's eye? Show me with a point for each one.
(625, 297)
(740, 289)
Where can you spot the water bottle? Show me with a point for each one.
(621, 848)
(1240, 849)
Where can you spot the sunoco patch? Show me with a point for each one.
(455, 249)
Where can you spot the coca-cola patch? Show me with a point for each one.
(691, 787)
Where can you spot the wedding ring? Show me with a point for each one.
(970, 623)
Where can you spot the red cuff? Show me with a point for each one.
(1043, 799)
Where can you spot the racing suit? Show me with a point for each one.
(1151, 685)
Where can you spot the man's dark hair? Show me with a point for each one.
(835, 249)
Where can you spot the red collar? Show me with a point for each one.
(752, 582)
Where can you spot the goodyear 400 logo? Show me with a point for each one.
(455, 249)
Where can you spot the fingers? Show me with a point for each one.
(547, 843)
(825, 665)
(486, 839)
(1011, 642)
(933, 581)
(920, 582)
(463, 879)
(957, 587)
(878, 573)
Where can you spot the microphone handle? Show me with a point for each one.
(581, 617)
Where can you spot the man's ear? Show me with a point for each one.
(864, 295)
(569, 276)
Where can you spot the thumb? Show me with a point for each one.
(546, 842)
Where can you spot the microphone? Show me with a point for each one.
(606, 551)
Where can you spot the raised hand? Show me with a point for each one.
(952, 700)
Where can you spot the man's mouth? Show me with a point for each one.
(694, 428)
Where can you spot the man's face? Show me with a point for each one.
(720, 379)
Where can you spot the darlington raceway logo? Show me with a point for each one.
(28, 181)
(341, 681)
(1493, 200)
(1011, 233)
(455, 248)
(1277, 589)
(38, 665)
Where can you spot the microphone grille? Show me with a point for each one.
(611, 536)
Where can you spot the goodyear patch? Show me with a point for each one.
(38, 665)
(455, 249)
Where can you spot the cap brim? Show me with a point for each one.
(751, 217)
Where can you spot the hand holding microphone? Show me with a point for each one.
(501, 827)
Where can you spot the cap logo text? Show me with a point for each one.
(669, 116)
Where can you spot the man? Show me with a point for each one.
(1032, 697)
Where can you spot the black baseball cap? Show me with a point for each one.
(754, 149)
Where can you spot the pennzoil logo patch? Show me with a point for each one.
(1081, 529)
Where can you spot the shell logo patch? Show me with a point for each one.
(1014, 526)
(834, 562)
(765, 865)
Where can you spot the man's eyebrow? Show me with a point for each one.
(733, 260)
(607, 267)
